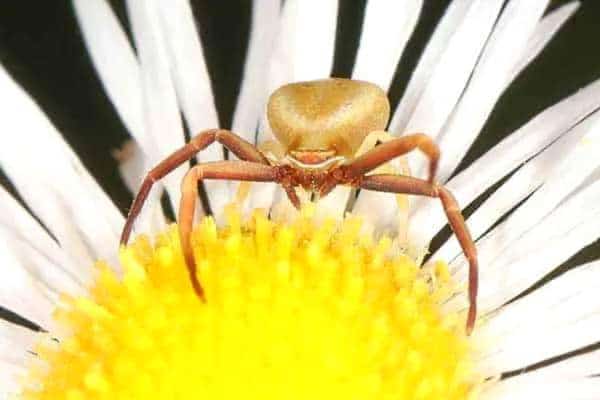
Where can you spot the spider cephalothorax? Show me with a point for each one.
(320, 125)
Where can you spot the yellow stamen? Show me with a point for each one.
(299, 311)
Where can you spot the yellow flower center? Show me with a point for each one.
(303, 310)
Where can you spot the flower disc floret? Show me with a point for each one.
(301, 310)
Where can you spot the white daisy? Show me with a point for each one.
(477, 50)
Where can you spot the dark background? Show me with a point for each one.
(42, 47)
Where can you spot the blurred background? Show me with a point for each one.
(42, 48)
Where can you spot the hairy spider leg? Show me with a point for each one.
(391, 149)
(243, 149)
(227, 170)
(410, 185)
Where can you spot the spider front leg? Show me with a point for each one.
(410, 185)
(394, 148)
(238, 146)
(228, 170)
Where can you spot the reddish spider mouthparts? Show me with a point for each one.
(321, 125)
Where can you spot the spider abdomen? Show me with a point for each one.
(329, 114)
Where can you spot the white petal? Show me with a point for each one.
(454, 53)
(114, 60)
(568, 174)
(521, 184)
(570, 227)
(453, 70)
(36, 251)
(20, 291)
(307, 36)
(133, 166)
(380, 211)
(580, 366)
(193, 85)
(560, 307)
(334, 204)
(189, 68)
(543, 33)
(425, 68)
(17, 221)
(263, 196)
(161, 113)
(253, 92)
(10, 385)
(52, 180)
(15, 341)
(492, 75)
(558, 389)
(303, 48)
(120, 74)
(303, 51)
(119, 71)
(518, 147)
(386, 29)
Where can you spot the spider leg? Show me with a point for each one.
(389, 150)
(228, 170)
(238, 146)
(292, 195)
(410, 185)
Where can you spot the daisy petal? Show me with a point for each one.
(386, 29)
(253, 92)
(15, 220)
(492, 75)
(581, 366)
(21, 291)
(578, 165)
(546, 246)
(303, 51)
(9, 379)
(189, 68)
(526, 180)
(453, 69)
(34, 156)
(517, 148)
(37, 252)
(570, 227)
(162, 118)
(114, 61)
(303, 48)
(543, 33)
(376, 62)
(556, 312)
(133, 166)
(446, 84)
(308, 37)
(120, 74)
(558, 389)
(14, 342)
(421, 75)
(304, 45)
(192, 84)
(334, 204)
